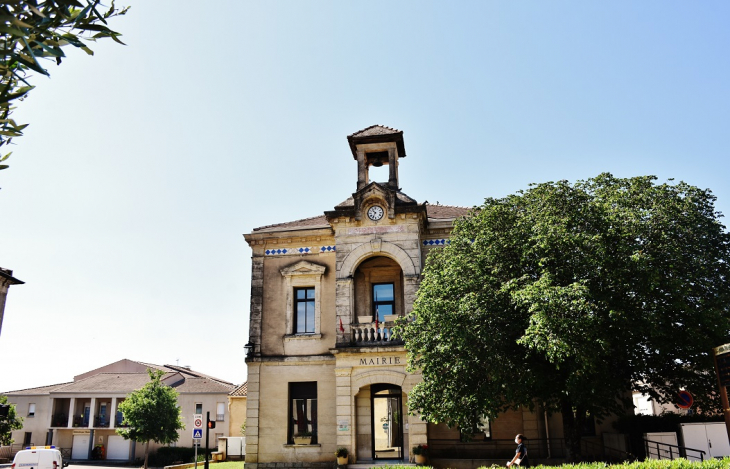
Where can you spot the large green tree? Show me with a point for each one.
(151, 413)
(570, 296)
(32, 31)
(9, 422)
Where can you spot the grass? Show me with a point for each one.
(650, 464)
(224, 465)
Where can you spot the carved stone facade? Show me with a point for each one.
(325, 292)
(324, 296)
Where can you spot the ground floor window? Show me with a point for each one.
(303, 410)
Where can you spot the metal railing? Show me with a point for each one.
(659, 450)
(101, 422)
(81, 421)
(553, 448)
(59, 420)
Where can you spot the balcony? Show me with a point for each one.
(59, 420)
(219, 417)
(80, 421)
(371, 334)
(101, 422)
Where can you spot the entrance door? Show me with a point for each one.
(80, 447)
(387, 421)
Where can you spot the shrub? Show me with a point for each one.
(420, 450)
(167, 455)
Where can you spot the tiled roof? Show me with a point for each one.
(108, 382)
(241, 391)
(7, 274)
(446, 211)
(374, 130)
(434, 211)
(203, 385)
(319, 221)
(188, 371)
(36, 391)
(350, 201)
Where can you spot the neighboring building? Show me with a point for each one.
(83, 414)
(645, 405)
(324, 294)
(237, 409)
(6, 279)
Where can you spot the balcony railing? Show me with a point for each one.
(118, 421)
(59, 420)
(373, 334)
(219, 417)
(101, 422)
(80, 421)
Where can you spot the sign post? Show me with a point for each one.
(197, 434)
(722, 367)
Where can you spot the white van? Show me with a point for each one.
(39, 457)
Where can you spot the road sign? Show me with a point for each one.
(197, 426)
(685, 400)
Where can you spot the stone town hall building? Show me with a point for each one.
(325, 292)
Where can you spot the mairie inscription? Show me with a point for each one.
(380, 361)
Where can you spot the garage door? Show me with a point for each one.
(117, 448)
(80, 448)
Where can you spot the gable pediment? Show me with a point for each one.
(303, 268)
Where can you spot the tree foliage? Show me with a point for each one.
(151, 413)
(570, 296)
(33, 30)
(9, 423)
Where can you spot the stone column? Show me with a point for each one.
(113, 414)
(257, 301)
(392, 169)
(92, 412)
(252, 415)
(362, 170)
(345, 409)
(410, 287)
(71, 410)
(344, 294)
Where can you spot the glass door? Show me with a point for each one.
(387, 421)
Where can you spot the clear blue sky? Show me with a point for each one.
(125, 202)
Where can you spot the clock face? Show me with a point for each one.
(375, 213)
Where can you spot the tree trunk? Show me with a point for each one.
(146, 453)
(573, 422)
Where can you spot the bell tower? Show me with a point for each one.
(376, 146)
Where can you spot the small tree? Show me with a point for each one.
(243, 429)
(9, 422)
(152, 413)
